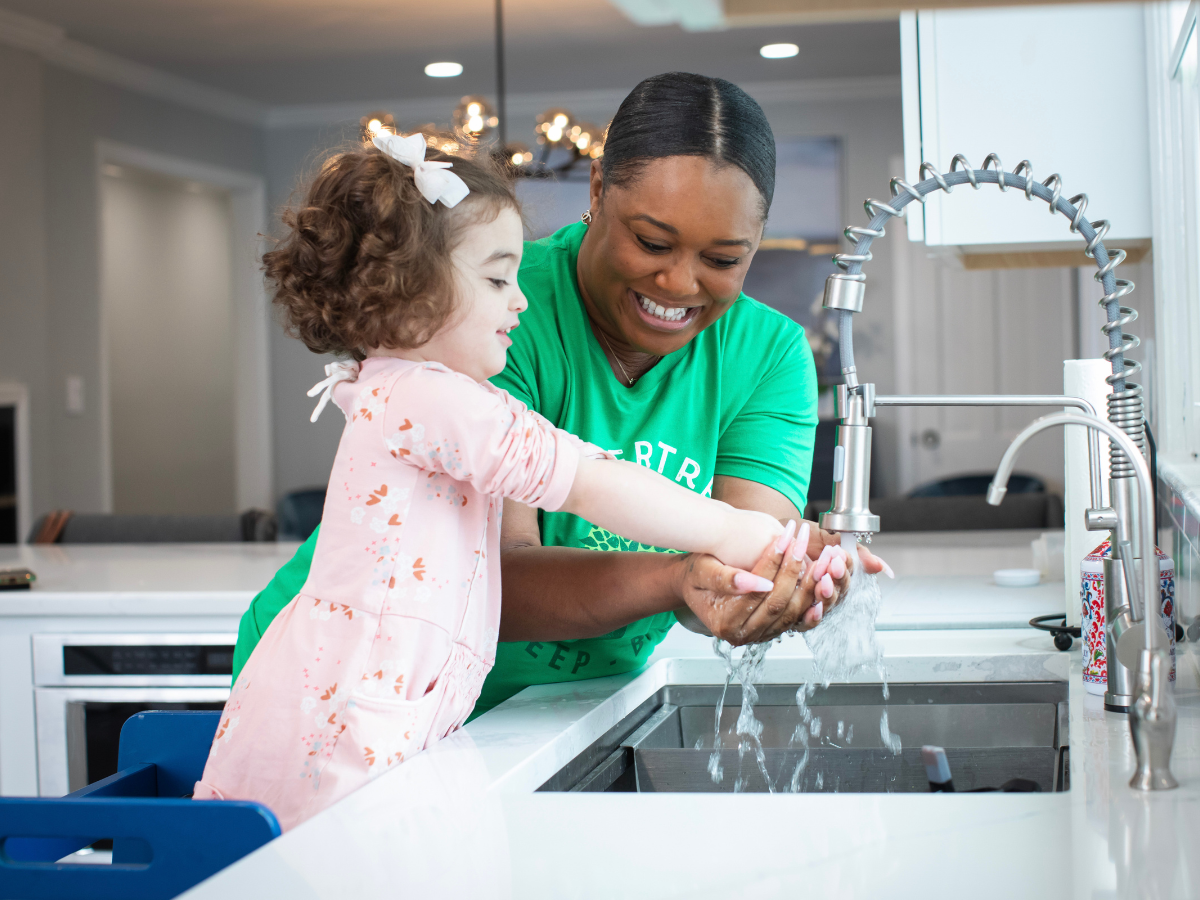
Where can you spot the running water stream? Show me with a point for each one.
(747, 668)
(843, 646)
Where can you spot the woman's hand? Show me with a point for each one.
(801, 593)
(828, 578)
(718, 594)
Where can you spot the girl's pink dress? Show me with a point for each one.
(385, 648)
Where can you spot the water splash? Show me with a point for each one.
(889, 738)
(725, 651)
(747, 668)
(843, 646)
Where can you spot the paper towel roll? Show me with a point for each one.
(1082, 378)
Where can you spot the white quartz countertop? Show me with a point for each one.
(944, 580)
(463, 819)
(141, 579)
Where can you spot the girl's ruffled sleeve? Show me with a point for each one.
(442, 421)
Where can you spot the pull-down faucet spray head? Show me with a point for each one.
(855, 405)
(851, 510)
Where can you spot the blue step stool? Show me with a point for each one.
(163, 841)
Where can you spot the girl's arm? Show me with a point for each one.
(566, 593)
(639, 504)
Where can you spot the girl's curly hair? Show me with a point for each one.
(366, 260)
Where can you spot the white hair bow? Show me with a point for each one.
(433, 180)
(342, 370)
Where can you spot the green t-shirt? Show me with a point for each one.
(738, 400)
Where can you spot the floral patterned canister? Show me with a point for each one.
(1091, 592)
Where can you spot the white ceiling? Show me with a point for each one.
(317, 51)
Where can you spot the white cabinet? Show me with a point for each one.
(1061, 86)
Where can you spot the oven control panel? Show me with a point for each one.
(128, 660)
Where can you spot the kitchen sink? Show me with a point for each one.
(992, 733)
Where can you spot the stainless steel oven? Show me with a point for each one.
(87, 685)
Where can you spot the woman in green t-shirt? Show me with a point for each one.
(639, 339)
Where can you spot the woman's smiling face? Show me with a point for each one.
(666, 253)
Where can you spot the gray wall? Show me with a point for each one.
(23, 297)
(50, 264)
(870, 133)
(49, 246)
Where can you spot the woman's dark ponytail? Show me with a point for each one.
(681, 114)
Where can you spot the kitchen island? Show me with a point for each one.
(136, 595)
(466, 818)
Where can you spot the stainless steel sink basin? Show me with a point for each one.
(992, 732)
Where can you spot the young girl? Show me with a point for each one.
(410, 267)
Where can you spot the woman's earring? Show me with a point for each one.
(586, 217)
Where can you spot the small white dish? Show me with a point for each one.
(1017, 577)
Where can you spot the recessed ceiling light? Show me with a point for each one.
(773, 51)
(443, 69)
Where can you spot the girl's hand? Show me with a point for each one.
(744, 535)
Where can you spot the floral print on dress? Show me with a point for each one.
(385, 648)
(368, 404)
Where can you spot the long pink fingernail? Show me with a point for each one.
(800, 548)
(871, 557)
(786, 537)
(837, 568)
(751, 583)
(818, 610)
(825, 588)
(819, 567)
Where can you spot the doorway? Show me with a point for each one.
(166, 287)
(184, 397)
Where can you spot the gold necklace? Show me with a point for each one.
(620, 365)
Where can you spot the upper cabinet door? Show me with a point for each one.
(1061, 86)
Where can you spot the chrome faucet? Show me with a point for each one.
(1152, 716)
(851, 511)
(1131, 528)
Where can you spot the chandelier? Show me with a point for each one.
(477, 127)
(560, 139)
